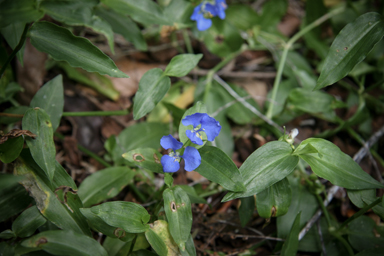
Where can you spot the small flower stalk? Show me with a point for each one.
(203, 126)
(203, 13)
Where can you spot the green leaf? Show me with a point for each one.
(144, 11)
(65, 242)
(140, 135)
(161, 240)
(332, 164)
(124, 26)
(216, 166)
(64, 216)
(147, 158)
(51, 98)
(116, 247)
(249, 17)
(246, 209)
(11, 149)
(42, 147)
(152, 88)
(11, 89)
(12, 34)
(96, 81)
(126, 215)
(193, 197)
(267, 165)
(96, 223)
(199, 107)
(305, 149)
(361, 234)
(7, 234)
(18, 11)
(275, 200)
(62, 45)
(178, 210)
(179, 13)
(27, 222)
(362, 198)
(182, 64)
(350, 47)
(291, 244)
(104, 184)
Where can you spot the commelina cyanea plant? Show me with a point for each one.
(203, 13)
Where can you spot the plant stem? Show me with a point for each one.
(86, 151)
(325, 211)
(187, 41)
(287, 47)
(361, 212)
(98, 113)
(346, 245)
(17, 48)
(138, 193)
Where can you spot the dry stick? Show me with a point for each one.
(332, 191)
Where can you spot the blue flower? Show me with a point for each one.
(171, 162)
(201, 123)
(204, 11)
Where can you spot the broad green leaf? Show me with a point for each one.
(305, 149)
(129, 216)
(350, 47)
(216, 166)
(193, 197)
(42, 148)
(179, 214)
(64, 216)
(143, 253)
(8, 181)
(96, 81)
(65, 242)
(291, 244)
(51, 98)
(104, 184)
(179, 13)
(190, 249)
(144, 11)
(7, 234)
(182, 64)
(124, 26)
(249, 17)
(272, 13)
(362, 198)
(246, 209)
(161, 240)
(275, 200)
(197, 108)
(96, 223)
(147, 158)
(7, 249)
(152, 88)
(13, 199)
(116, 247)
(267, 165)
(11, 149)
(11, 89)
(27, 222)
(18, 11)
(361, 234)
(140, 135)
(332, 164)
(62, 45)
(12, 34)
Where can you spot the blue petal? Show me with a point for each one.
(196, 12)
(168, 142)
(211, 127)
(169, 163)
(203, 24)
(211, 9)
(192, 158)
(194, 137)
(220, 8)
(194, 119)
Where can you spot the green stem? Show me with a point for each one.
(14, 102)
(325, 211)
(287, 47)
(187, 41)
(209, 193)
(210, 74)
(98, 113)
(361, 212)
(138, 193)
(14, 52)
(346, 245)
(87, 152)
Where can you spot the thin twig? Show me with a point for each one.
(321, 238)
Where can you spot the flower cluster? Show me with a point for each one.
(202, 123)
(206, 10)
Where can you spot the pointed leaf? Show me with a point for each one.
(12, 34)
(13, 199)
(350, 47)
(11, 149)
(126, 215)
(216, 166)
(179, 214)
(18, 11)
(161, 240)
(42, 148)
(27, 222)
(65, 242)
(332, 164)
(62, 45)
(246, 209)
(291, 244)
(152, 88)
(147, 158)
(182, 64)
(104, 184)
(51, 98)
(267, 165)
